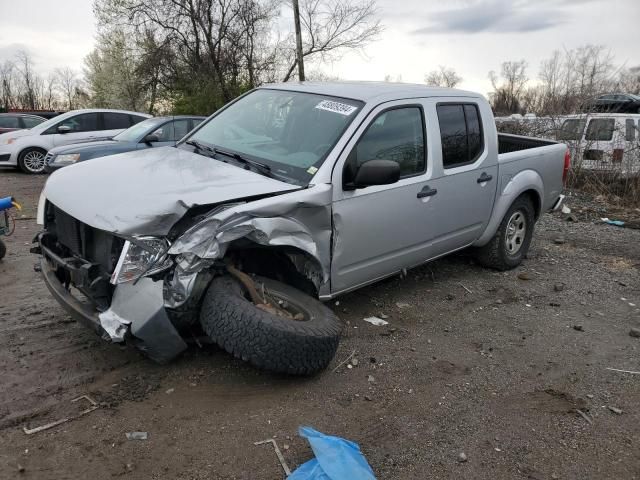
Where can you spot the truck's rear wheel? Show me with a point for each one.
(510, 244)
(302, 343)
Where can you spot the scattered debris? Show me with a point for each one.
(558, 287)
(285, 467)
(402, 305)
(383, 316)
(368, 398)
(468, 291)
(615, 410)
(370, 379)
(450, 296)
(137, 435)
(589, 396)
(559, 240)
(21, 468)
(354, 361)
(578, 328)
(378, 322)
(566, 210)
(617, 223)
(634, 332)
(623, 371)
(345, 360)
(585, 416)
(462, 457)
(93, 405)
(335, 458)
(170, 391)
(524, 276)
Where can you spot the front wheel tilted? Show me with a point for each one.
(290, 332)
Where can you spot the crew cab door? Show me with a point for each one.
(378, 230)
(465, 172)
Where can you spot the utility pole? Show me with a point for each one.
(296, 19)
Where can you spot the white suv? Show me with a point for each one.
(27, 148)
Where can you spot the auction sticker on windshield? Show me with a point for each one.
(336, 107)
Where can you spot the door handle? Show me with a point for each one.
(484, 178)
(427, 192)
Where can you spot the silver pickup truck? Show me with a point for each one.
(288, 196)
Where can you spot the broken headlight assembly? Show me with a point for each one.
(141, 257)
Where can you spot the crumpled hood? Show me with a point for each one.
(147, 192)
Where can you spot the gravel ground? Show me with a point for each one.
(492, 365)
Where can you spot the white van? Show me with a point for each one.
(601, 141)
(27, 148)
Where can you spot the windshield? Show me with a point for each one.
(291, 132)
(132, 134)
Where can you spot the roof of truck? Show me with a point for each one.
(372, 91)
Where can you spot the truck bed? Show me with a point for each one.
(508, 143)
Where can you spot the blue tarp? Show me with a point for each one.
(336, 459)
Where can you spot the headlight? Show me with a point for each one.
(148, 255)
(66, 159)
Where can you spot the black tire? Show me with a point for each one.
(496, 253)
(3, 249)
(268, 341)
(24, 162)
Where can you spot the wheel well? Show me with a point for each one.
(31, 148)
(535, 200)
(288, 265)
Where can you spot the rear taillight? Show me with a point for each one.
(567, 165)
(617, 155)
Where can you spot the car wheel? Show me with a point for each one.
(510, 244)
(3, 249)
(301, 342)
(32, 160)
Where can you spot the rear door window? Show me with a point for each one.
(460, 134)
(136, 119)
(115, 121)
(181, 128)
(600, 130)
(630, 130)
(30, 122)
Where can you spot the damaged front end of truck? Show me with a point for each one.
(148, 289)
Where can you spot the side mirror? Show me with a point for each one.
(149, 139)
(375, 172)
(64, 128)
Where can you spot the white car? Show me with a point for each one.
(27, 148)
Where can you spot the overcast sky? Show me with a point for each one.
(472, 36)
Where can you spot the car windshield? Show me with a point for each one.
(133, 134)
(291, 132)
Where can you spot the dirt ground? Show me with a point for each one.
(491, 364)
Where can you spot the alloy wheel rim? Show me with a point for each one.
(34, 161)
(516, 232)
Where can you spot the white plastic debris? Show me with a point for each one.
(565, 209)
(137, 435)
(378, 322)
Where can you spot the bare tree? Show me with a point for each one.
(332, 27)
(67, 79)
(506, 93)
(8, 85)
(29, 81)
(443, 77)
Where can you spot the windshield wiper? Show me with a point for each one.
(266, 169)
(200, 146)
